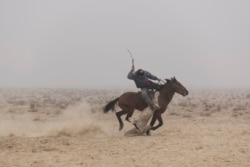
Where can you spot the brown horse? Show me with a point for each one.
(130, 101)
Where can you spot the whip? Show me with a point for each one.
(131, 57)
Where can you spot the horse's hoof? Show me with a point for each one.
(152, 128)
(121, 127)
(148, 130)
(148, 133)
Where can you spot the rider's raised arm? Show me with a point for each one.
(131, 74)
(150, 76)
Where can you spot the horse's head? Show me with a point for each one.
(177, 86)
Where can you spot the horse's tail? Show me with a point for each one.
(110, 105)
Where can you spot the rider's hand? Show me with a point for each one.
(133, 67)
(159, 80)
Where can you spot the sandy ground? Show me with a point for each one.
(67, 128)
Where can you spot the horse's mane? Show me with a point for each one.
(163, 85)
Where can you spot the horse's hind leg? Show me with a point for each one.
(118, 115)
(128, 118)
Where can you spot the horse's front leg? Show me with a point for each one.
(157, 115)
(152, 122)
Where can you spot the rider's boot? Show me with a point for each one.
(155, 107)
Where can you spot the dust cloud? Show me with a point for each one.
(27, 115)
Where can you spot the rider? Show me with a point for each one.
(142, 80)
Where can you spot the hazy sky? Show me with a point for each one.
(83, 43)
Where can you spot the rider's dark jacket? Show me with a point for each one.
(142, 81)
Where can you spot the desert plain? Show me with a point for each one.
(67, 127)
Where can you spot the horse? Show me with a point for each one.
(129, 101)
